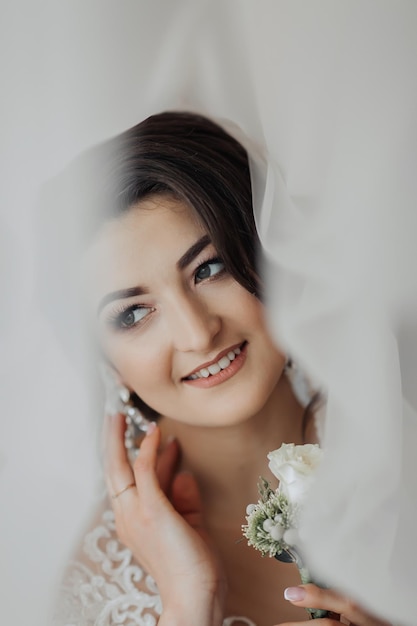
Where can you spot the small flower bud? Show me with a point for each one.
(291, 537)
(267, 525)
(276, 532)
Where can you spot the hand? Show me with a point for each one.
(341, 609)
(167, 536)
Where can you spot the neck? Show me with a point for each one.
(227, 461)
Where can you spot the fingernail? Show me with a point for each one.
(170, 439)
(150, 429)
(294, 594)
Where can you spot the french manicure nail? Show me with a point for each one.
(294, 594)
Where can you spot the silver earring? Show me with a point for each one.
(118, 400)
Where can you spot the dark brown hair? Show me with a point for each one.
(196, 161)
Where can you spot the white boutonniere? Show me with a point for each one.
(273, 523)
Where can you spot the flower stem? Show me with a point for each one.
(305, 579)
(291, 556)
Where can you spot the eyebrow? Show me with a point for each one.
(120, 294)
(192, 252)
(182, 263)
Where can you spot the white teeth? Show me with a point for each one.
(215, 368)
(224, 362)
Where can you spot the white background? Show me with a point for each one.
(75, 73)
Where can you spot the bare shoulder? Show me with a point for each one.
(103, 584)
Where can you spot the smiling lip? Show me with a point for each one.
(223, 375)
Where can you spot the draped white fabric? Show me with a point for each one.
(324, 94)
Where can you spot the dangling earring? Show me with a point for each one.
(118, 400)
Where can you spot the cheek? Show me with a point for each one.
(143, 368)
(244, 304)
(271, 359)
(254, 314)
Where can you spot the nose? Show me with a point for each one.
(193, 325)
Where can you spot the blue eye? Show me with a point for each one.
(209, 269)
(131, 316)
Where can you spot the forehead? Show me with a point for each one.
(151, 234)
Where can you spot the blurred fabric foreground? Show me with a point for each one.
(324, 95)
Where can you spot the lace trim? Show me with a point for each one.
(112, 589)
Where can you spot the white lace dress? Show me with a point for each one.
(106, 586)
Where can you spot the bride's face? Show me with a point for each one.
(170, 317)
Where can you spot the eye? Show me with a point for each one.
(209, 269)
(130, 317)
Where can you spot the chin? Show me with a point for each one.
(233, 412)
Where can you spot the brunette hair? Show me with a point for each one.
(194, 160)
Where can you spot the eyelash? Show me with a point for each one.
(209, 261)
(115, 318)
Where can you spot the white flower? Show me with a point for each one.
(294, 466)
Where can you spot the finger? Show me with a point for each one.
(144, 467)
(186, 499)
(119, 473)
(315, 597)
(166, 464)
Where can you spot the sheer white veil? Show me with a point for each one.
(324, 96)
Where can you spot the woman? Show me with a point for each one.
(176, 294)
